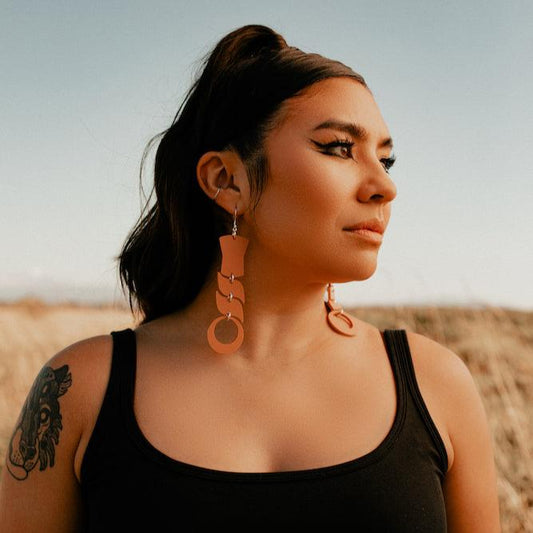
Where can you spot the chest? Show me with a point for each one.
(298, 417)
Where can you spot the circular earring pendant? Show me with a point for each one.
(221, 347)
(341, 322)
(338, 320)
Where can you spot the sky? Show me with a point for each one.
(85, 85)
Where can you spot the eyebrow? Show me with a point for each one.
(355, 130)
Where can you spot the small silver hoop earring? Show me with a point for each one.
(216, 194)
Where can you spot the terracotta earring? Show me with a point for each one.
(230, 293)
(339, 320)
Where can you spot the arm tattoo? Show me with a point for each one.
(39, 424)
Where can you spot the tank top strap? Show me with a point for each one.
(397, 350)
(110, 424)
(123, 365)
(402, 364)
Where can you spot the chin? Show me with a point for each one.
(365, 270)
(363, 278)
(358, 274)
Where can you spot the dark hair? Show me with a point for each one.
(233, 103)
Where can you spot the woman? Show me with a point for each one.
(244, 398)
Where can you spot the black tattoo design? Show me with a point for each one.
(37, 431)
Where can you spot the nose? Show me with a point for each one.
(376, 185)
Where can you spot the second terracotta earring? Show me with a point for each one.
(338, 319)
(230, 293)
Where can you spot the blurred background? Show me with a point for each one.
(86, 85)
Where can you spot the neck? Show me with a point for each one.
(284, 315)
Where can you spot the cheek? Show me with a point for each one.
(303, 201)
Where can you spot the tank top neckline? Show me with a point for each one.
(151, 452)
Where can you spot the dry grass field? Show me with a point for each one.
(495, 343)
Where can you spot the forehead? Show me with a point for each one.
(334, 99)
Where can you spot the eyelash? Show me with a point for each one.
(388, 162)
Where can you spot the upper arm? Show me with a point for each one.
(39, 490)
(470, 487)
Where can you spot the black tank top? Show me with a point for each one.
(128, 485)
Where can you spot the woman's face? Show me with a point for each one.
(324, 178)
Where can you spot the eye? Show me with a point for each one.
(340, 148)
(388, 162)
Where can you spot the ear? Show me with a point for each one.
(225, 170)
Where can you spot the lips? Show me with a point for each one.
(373, 224)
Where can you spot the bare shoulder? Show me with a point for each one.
(60, 408)
(88, 359)
(449, 390)
(43, 451)
(89, 363)
(441, 370)
(434, 361)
